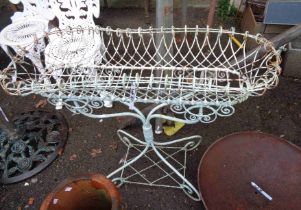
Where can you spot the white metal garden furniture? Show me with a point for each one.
(80, 49)
(28, 25)
(207, 74)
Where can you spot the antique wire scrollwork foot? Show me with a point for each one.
(163, 158)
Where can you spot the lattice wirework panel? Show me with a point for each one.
(177, 66)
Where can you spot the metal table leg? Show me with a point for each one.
(164, 18)
(163, 157)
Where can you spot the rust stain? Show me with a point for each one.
(168, 10)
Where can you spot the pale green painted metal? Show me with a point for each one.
(200, 85)
(147, 144)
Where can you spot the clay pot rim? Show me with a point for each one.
(109, 186)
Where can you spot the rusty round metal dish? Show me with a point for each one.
(231, 164)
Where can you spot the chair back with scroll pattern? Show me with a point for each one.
(33, 9)
(73, 13)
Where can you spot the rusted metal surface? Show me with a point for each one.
(41, 138)
(231, 164)
(210, 19)
(91, 192)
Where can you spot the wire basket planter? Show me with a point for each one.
(199, 73)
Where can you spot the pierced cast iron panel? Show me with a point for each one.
(41, 137)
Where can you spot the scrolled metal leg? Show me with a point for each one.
(191, 192)
(160, 156)
(190, 143)
(170, 176)
(187, 187)
(118, 181)
(130, 141)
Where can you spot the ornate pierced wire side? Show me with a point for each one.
(27, 24)
(33, 9)
(33, 21)
(198, 66)
(71, 13)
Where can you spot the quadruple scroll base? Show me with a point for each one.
(156, 163)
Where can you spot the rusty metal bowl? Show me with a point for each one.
(233, 164)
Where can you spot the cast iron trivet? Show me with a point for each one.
(41, 138)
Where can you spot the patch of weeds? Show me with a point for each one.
(226, 10)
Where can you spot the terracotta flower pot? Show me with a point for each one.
(93, 192)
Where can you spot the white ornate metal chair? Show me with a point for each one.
(200, 76)
(81, 49)
(75, 49)
(28, 25)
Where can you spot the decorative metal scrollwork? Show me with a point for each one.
(204, 114)
(84, 105)
(41, 137)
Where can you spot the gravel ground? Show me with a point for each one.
(277, 112)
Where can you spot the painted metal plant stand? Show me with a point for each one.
(201, 74)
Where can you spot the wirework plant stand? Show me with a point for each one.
(200, 76)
